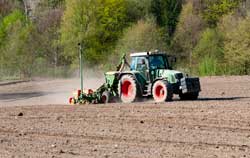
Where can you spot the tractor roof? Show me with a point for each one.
(146, 53)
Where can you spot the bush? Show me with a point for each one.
(237, 46)
(166, 13)
(143, 36)
(216, 9)
(97, 24)
(208, 52)
(187, 33)
(208, 66)
(17, 49)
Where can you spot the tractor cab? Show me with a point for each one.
(148, 64)
(148, 60)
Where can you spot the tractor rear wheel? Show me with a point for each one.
(128, 89)
(162, 91)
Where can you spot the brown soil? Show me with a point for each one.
(217, 125)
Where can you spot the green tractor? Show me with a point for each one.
(149, 75)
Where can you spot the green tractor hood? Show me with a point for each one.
(172, 76)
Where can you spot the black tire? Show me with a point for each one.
(105, 98)
(189, 96)
(128, 89)
(162, 91)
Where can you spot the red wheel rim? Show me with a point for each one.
(79, 93)
(90, 91)
(70, 100)
(127, 89)
(159, 92)
(104, 99)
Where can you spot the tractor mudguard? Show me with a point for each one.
(161, 78)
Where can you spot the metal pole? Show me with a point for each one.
(81, 65)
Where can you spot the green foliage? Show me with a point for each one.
(8, 22)
(7, 6)
(208, 51)
(143, 36)
(211, 44)
(45, 43)
(15, 46)
(44, 5)
(55, 3)
(6, 25)
(111, 19)
(49, 38)
(217, 8)
(237, 46)
(187, 33)
(95, 23)
(77, 26)
(42, 70)
(137, 10)
(208, 66)
(167, 13)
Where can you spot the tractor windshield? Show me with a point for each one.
(158, 62)
(151, 61)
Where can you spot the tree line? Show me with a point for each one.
(208, 37)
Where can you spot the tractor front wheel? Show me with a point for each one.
(128, 90)
(162, 91)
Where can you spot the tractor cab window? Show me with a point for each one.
(157, 62)
(133, 63)
(139, 63)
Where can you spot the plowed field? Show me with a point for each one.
(35, 121)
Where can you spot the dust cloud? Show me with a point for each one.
(48, 91)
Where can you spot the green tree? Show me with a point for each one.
(209, 52)
(111, 20)
(7, 6)
(187, 34)
(95, 23)
(55, 3)
(137, 10)
(237, 46)
(7, 22)
(217, 8)
(142, 36)
(17, 51)
(44, 6)
(77, 26)
(48, 20)
(167, 13)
